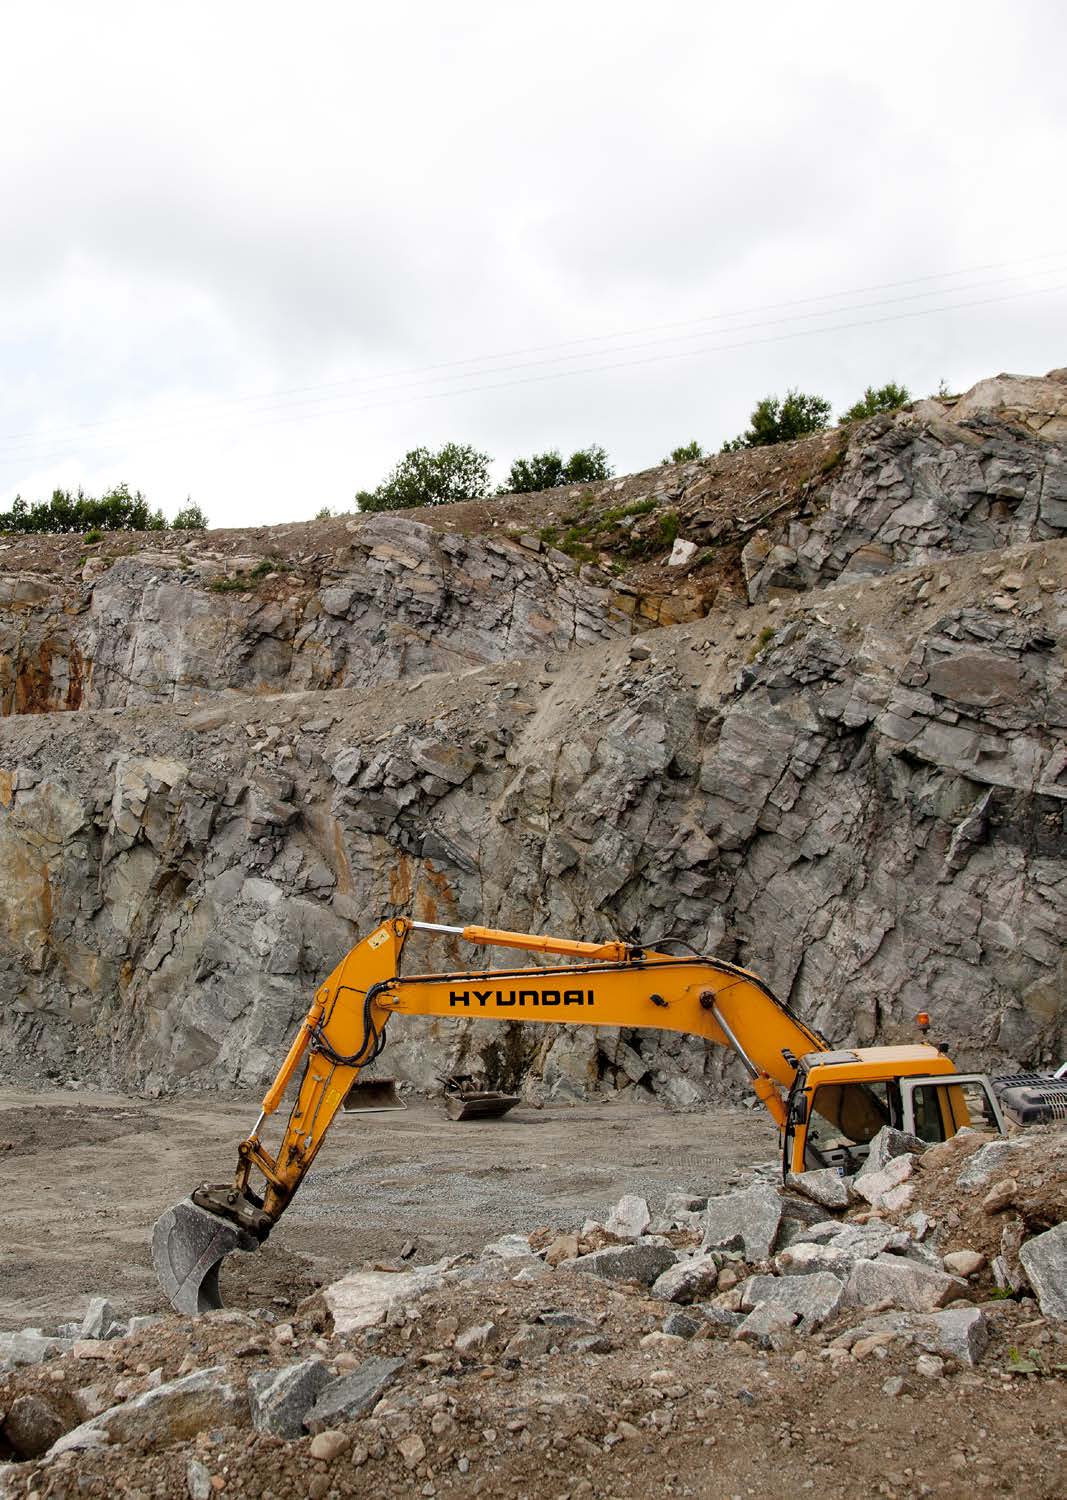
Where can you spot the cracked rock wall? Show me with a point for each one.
(856, 785)
(872, 819)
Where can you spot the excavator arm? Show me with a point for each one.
(590, 984)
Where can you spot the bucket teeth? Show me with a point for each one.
(188, 1246)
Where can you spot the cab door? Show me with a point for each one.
(936, 1108)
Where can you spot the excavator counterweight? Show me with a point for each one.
(826, 1103)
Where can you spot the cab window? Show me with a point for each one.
(929, 1124)
(845, 1118)
(942, 1108)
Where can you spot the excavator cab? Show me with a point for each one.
(838, 1104)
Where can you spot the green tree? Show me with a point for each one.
(324, 513)
(190, 518)
(687, 453)
(455, 472)
(775, 421)
(886, 398)
(542, 471)
(65, 512)
(587, 464)
(547, 471)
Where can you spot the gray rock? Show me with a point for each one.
(350, 1396)
(198, 1480)
(528, 1342)
(29, 1346)
(865, 1241)
(887, 1144)
(683, 1204)
(681, 1325)
(822, 1233)
(174, 1411)
(642, 1263)
(961, 1332)
(508, 1247)
(766, 1324)
(140, 1321)
(280, 1399)
(689, 1279)
(594, 1343)
(32, 1424)
(804, 1211)
(991, 1162)
(99, 1321)
(900, 1283)
(809, 1260)
(746, 1221)
(722, 1317)
(825, 1187)
(1044, 1259)
(812, 1298)
(478, 1336)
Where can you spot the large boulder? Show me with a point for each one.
(891, 1280)
(350, 1396)
(641, 1263)
(746, 1221)
(171, 1412)
(689, 1280)
(362, 1298)
(280, 1399)
(812, 1299)
(629, 1219)
(1044, 1259)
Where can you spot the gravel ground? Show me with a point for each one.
(87, 1175)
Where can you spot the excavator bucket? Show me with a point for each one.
(483, 1105)
(371, 1095)
(188, 1246)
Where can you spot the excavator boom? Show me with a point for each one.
(592, 984)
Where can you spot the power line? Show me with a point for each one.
(619, 364)
(372, 381)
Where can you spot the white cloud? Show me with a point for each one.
(208, 204)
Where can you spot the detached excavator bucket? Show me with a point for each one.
(484, 1105)
(370, 1095)
(188, 1246)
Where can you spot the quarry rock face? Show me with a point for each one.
(854, 784)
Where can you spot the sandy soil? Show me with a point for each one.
(87, 1174)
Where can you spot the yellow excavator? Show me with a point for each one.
(828, 1103)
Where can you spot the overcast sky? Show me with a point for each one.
(252, 253)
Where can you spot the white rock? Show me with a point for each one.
(681, 553)
(886, 1189)
(629, 1218)
(476, 1337)
(362, 1298)
(963, 1262)
(690, 1280)
(508, 1247)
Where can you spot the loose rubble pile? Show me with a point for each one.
(719, 1343)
